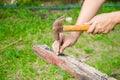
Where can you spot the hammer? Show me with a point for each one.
(58, 27)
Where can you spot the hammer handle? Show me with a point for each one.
(76, 27)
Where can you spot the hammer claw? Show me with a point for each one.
(60, 19)
(55, 26)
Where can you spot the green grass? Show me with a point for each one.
(18, 62)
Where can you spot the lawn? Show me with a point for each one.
(18, 62)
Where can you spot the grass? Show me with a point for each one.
(18, 61)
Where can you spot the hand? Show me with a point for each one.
(102, 23)
(66, 40)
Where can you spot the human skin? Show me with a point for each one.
(91, 7)
(104, 23)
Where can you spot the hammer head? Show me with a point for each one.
(58, 27)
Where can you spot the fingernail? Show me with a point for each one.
(60, 51)
(57, 53)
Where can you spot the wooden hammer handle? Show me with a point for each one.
(76, 27)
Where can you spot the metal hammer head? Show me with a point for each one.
(57, 27)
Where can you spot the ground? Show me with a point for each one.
(18, 62)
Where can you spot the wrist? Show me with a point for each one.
(116, 17)
(76, 34)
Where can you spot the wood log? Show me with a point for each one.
(75, 67)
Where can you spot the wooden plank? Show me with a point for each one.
(75, 67)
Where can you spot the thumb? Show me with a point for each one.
(65, 45)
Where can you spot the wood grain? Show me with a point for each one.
(75, 67)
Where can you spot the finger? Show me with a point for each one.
(106, 31)
(91, 29)
(100, 30)
(61, 38)
(112, 28)
(56, 47)
(105, 28)
(65, 45)
(97, 29)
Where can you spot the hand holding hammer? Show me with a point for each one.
(58, 28)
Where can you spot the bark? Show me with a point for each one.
(75, 67)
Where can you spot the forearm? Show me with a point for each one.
(88, 11)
